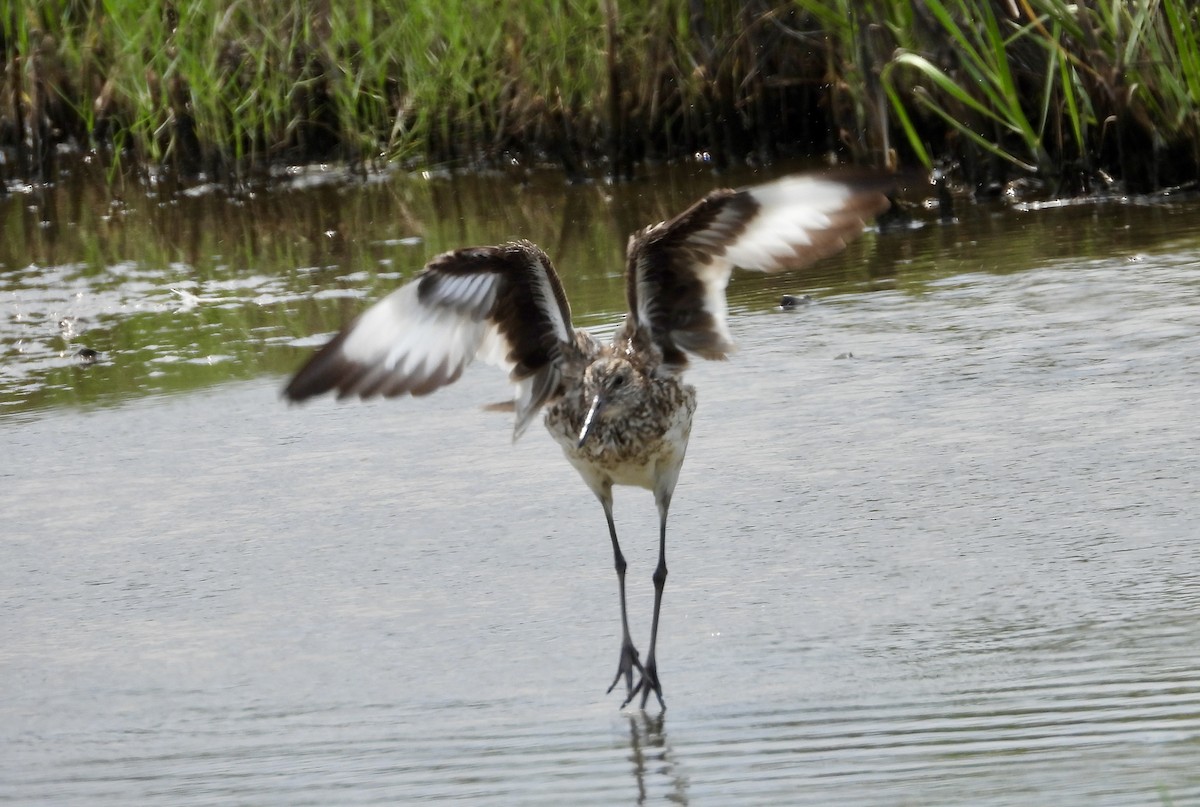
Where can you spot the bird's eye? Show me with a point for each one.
(618, 381)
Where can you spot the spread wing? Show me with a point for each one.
(678, 270)
(504, 304)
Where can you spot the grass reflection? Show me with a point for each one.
(183, 290)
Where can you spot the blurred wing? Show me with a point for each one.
(504, 304)
(678, 270)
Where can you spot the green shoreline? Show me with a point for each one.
(1072, 98)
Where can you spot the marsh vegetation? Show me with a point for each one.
(1075, 97)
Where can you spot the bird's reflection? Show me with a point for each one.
(654, 765)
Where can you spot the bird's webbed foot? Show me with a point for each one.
(629, 662)
(648, 683)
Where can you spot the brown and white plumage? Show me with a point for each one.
(504, 304)
(620, 411)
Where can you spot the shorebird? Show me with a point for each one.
(620, 411)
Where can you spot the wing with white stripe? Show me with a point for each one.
(678, 270)
(504, 304)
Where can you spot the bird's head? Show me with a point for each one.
(614, 387)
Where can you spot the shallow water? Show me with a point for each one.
(934, 543)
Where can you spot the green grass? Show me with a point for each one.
(1065, 91)
(1079, 95)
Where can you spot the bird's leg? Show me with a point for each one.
(629, 654)
(649, 682)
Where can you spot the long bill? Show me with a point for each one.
(593, 414)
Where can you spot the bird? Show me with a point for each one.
(790, 302)
(619, 409)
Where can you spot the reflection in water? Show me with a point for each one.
(267, 267)
(264, 269)
(653, 759)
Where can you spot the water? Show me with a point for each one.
(934, 543)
